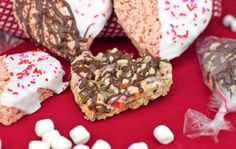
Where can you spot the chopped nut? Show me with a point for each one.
(122, 62)
(133, 90)
(152, 71)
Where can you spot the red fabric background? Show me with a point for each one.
(188, 91)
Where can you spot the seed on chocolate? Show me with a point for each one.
(114, 89)
(107, 81)
(133, 90)
(143, 66)
(111, 58)
(122, 62)
(125, 81)
(214, 46)
(151, 71)
(114, 50)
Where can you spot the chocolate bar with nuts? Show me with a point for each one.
(218, 60)
(107, 84)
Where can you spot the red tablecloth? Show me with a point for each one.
(188, 91)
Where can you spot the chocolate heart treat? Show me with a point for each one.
(107, 84)
(164, 28)
(66, 27)
(26, 80)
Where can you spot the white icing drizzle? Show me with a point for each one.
(182, 22)
(29, 72)
(90, 12)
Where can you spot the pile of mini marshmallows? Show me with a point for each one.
(230, 21)
(51, 138)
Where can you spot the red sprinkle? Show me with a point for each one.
(32, 82)
(9, 90)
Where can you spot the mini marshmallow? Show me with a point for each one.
(79, 135)
(50, 136)
(163, 134)
(101, 144)
(139, 145)
(61, 143)
(39, 145)
(43, 126)
(233, 26)
(81, 146)
(228, 19)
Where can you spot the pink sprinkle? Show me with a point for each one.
(167, 3)
(183, 14)
(9, 90)
(11, 74)
(32, 82)
(167, 9)
(173, 14)
(15, 93)
(203, 10)
(95, 16)
(11, 58)
(77, 11)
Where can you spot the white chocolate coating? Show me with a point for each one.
(90, 12)
(182, 22)
(29, 72)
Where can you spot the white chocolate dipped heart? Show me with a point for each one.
(90, 15)
(164, 28)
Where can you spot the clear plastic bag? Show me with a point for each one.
(8, 41)
(217, 57)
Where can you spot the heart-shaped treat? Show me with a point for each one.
(164, 28)
(113, 82)
(25, 81)
(64, 26)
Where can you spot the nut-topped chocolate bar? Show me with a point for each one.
(113, 82)
(218, 59)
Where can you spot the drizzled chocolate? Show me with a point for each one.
(51, 23)
(219, 63)
(112, 75)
